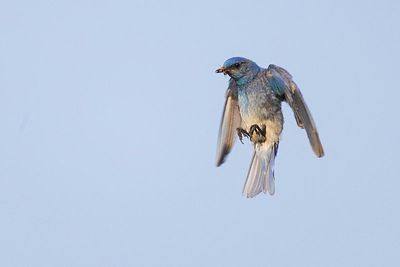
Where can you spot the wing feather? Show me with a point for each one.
(230, 121)
(283, 83)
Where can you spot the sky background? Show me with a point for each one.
(109, 116)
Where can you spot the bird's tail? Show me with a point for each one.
(260, 177)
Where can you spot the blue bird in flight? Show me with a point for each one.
(253, 110)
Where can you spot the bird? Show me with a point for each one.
(253, 110)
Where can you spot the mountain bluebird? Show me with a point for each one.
(253, 110)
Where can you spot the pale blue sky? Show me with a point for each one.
(110, 113)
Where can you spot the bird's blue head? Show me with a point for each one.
(240, 69)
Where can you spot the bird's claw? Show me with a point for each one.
(260, 133)
(240, 133)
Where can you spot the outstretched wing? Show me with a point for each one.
(282, 83)
(230, 121)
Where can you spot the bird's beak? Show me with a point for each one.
(221, 70)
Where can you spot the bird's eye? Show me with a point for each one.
(237, 65)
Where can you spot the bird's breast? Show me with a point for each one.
(260, 106)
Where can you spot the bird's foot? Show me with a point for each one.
(242, 132)
(257, 134)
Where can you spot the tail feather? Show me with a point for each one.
(260, 177)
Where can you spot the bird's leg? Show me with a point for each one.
(255, 128)
(241, 132)
(260, 133)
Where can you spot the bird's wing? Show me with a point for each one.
(282, 83)
(230, 121)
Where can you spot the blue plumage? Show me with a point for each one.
(253, 109)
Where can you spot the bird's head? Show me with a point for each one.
(238, 68)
